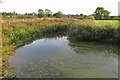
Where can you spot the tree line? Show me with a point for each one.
(99, 14)
(48, 13)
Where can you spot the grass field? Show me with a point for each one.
(113, 23)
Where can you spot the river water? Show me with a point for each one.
(60, 58)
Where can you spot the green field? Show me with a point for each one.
(113, 23)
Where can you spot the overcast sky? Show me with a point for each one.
(66, 6)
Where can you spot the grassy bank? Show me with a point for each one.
(20, 32)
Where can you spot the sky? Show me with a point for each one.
(85, 7)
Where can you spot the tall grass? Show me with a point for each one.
(106, 34)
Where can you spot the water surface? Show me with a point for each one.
(60, 58)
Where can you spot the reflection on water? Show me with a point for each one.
(59, 58)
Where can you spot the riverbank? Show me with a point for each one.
(19, 32)
(16, 33)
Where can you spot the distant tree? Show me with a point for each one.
(35, 14)
(48, 12)
(26, 13)
(41, 13)
(100, 13)
(77, 15)
(81, 15)
(59, 14)
(106, 14)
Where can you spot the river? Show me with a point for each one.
(60, 58)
